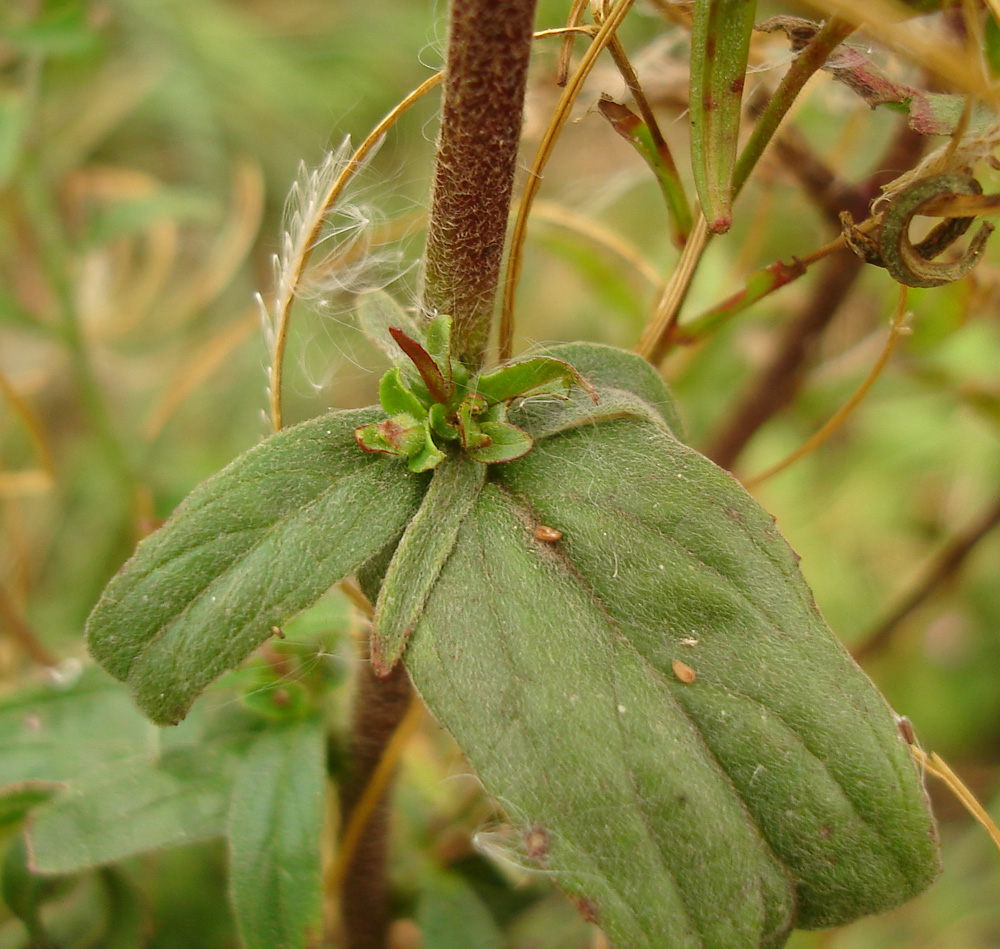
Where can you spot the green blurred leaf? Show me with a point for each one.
(58, 29)
(17, 800)
(274, 827)
(451, 916)
(657, 704)
(133, 807)
(991, 44)
(128, 922)
(24, 892)
(252, 546)
(50, 733)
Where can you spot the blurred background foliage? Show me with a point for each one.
(146, 148)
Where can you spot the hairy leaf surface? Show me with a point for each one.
(249, 548)
(658, 704)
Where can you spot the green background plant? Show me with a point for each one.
(145, 150)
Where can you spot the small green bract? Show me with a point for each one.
(445, 404)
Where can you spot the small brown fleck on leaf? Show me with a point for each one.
(547, 534)
(586, 908)
(683, 671)
(536, 842)
(905, 727)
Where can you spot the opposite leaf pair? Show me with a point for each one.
(766, 787)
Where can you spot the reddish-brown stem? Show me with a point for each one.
(489, 45)
(379, 706)
(945, 565)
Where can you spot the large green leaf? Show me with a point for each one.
(250, 547)
(274, 828)
(658, 704)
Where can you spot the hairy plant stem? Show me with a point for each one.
(489, 45)
(379, 707)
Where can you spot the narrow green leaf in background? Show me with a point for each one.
(274, 828)
(24, 892)
(132, 807)
(451, 916)
(720, 45)
(248, 549)
(658, 705)
(51, 733)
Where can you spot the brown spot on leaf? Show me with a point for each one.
(536, 842)
(547, 534)
(683, 671)
(586, 908)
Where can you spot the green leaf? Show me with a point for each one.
(17, 800)
(14, 123)
(128, 920)
(133, 807)
(659, 707)
(56, 734)
(25, 892)
(401, 435)
(424, 548)
(720, 45)
(429, 456)
(529, 375)
(275, 826)
(506, 442)
(626, 384)
(396, 398)
(249, 548)
(438, 337)
(451, 916)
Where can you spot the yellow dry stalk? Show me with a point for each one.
(283, 306)
(842, 414)
(936, 765)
